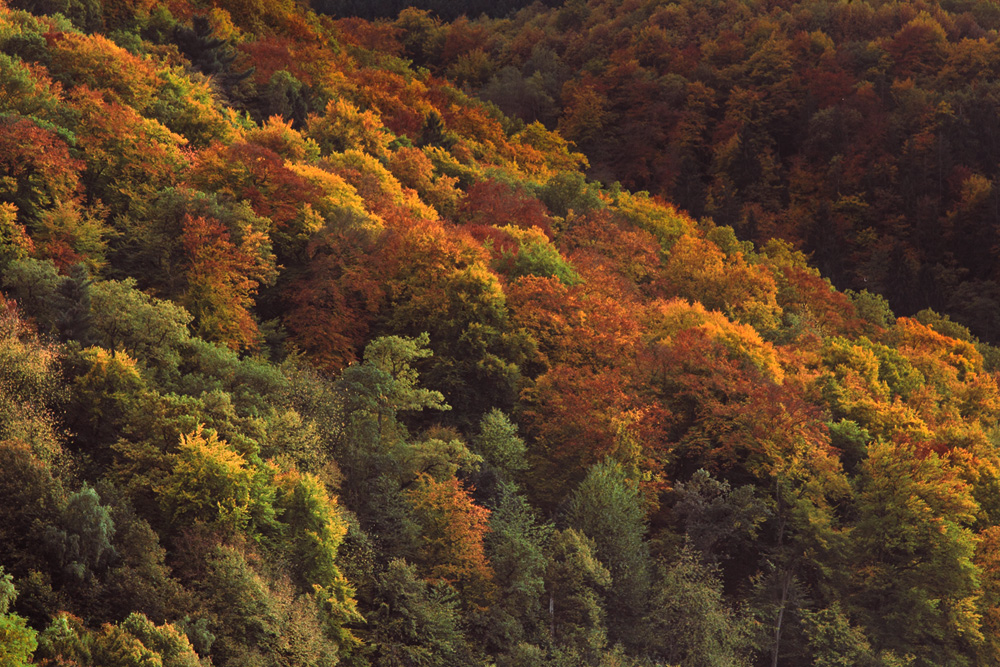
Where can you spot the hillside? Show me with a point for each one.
(310, 357)
(862, 131)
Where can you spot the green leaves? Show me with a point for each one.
(212, 482)
(17, 641)
(690, 623)
(500, 445)
(914, 579)
(608, 509)
(82, 542)
(418, 623)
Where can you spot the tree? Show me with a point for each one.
(915, 582)
(80, 544)
(720, 522)
(384, 385)
(576, 583)
(689, 621)
(607, 508)
(209, 255)
(31, 496)
(516, 547)
(17, 641)
(260, 619)
(128, 157)
(416, 622)
(452, 528)
(317, 528)
(152, 331)
(221, 281)
(835, 642)
(500, 445)
(212, 482)
(42, 180)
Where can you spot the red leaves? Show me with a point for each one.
(334, 303)
(496, 203)
(36, 167)
(728, 418)
(452, 530)
(43, 181)
(255, 173)
(222, 278)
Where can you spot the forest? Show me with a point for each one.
(612, 334)
(864, 133)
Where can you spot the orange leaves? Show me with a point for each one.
(402, 103)
(222, 278)
(383, 37)
(496, 203)
(333, 304)
(572, 327)
(570, 414)
(36, 168)
(452, 530)
(100, 64)
(614, 256)
(414, 169)
(698, 270)
(958, 388)
(42, 181)
(344, 126)
(128, 157)
(665, 320)
(940, 357)
(919, 46)
(724, 416)
(260, 176)
(585, 113)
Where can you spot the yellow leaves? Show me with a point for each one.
(414, 169)
(699, 270)
(309, 495)
(928, 387)
(377, 184)
(664, 319)
(854, 388)
(14, 240)
(556, 154)
(97, 62)
(656, 217)
(976, 190)
(337, 196)
(223, 26)
(209, 481)
(187, 105)
(343, 126)
(586, 111)
(942, 359)
(117, 367)
(525, 237)
(935, 487)
(276, 134)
